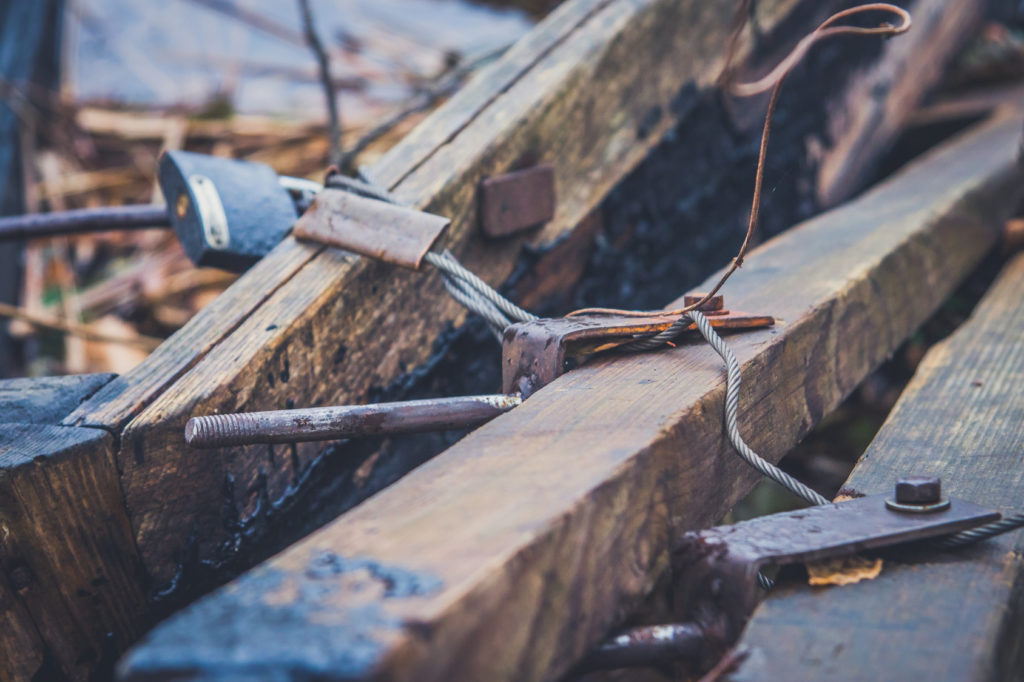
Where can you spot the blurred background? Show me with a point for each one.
(95, 90)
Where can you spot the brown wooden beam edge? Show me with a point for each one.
(515, 551)
(69, 572)
(313, 335)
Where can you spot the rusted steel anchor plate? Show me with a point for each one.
(717, 568)
(369, 227)
(535, 353)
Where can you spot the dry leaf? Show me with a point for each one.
(843, 570)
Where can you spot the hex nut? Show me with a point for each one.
(918, 490)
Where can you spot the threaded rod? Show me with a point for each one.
(345, 421)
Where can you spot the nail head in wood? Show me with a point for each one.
(514, 202)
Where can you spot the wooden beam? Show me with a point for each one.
(961, 418)
(47, 400)
(588, 89)
(587, 92)
(69, 590)
(517, 549)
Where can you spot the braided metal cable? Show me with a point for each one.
(452, 268)
(473, 301)
(969, 537)
(732, 391)
(660, 339)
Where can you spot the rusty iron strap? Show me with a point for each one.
(714, 571)
(370, 227)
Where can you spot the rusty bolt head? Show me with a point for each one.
(918, 490)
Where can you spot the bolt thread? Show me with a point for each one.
(219, 430)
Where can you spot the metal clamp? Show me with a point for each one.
(715, 570)
(536, 353)
(370, 227)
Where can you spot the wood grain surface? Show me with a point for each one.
(953, 615)
(66, 552)
(510, 554)
(581, 104)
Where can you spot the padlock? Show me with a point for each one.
(227, 213)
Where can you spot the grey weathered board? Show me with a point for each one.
(47, 400)
(931, 615)
(67, 559)
(513, 552)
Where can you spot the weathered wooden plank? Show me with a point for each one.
(511, 553)
(68, 569)
(931, 615)
(66, 551)
(47, 400)
(317, 338)
(21, 648)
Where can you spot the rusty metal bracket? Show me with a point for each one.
(369, 227)
(517, 201)
(716, 569)
(715, 572)
(536, 353)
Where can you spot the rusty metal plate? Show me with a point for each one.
(716, 569)
(369, 227)
(535, 353)
(517, 201)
